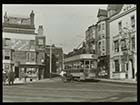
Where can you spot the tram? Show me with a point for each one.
(82, 66)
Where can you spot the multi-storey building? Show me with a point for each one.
(90, 39)
(20, 43)
(57, 59)
(123, 39)
(103, 44)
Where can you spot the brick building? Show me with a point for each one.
(57, 59)
(22, 47)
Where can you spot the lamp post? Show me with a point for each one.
(50, 60)
(43, 64)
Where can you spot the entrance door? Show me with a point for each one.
(16, 72)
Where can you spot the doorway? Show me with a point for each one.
(16, 72)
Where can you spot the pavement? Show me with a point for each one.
(124, 81)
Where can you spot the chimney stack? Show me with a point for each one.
(40, 30)
(32, 17)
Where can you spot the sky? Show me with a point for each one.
(64, 25)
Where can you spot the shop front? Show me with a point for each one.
(32, 72)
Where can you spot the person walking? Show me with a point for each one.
(11, 77)
(4, 77)
(63, 75)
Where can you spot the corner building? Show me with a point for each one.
(20, 44)
(123, 41)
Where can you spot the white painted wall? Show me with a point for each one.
(114, 31)
(18, 36)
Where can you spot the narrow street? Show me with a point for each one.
(57, 91)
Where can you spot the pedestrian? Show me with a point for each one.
(4, 77)
(63, 75)
(11, 77)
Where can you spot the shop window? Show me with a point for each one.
(117, 68)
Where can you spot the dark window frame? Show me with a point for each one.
(117, 66)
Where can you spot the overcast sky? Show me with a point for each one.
(64, 25)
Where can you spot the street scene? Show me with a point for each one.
(69, 53)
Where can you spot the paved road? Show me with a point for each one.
(57, 91)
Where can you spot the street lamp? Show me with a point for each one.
(50, 60)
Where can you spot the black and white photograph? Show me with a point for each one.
(69, 52)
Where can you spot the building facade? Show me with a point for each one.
(57, 58)
(90, 39)
(123, 43)
(103, 44)
(20, 46)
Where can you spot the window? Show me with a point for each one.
(133, 43)
(117, 68)
(99, 27)
(32, 43)
(123, 45)
(103, 26)
(120, 26)
(103, 47)
(133, 21)
(99, 45)
(7, 55)
(116, 43)
(32, 55)
(6, 66)
(40, 41)
(27, 56)
(7, 42)
(103, 35)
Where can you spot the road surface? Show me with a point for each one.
(57, 91)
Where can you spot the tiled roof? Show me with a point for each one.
(102, 12)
